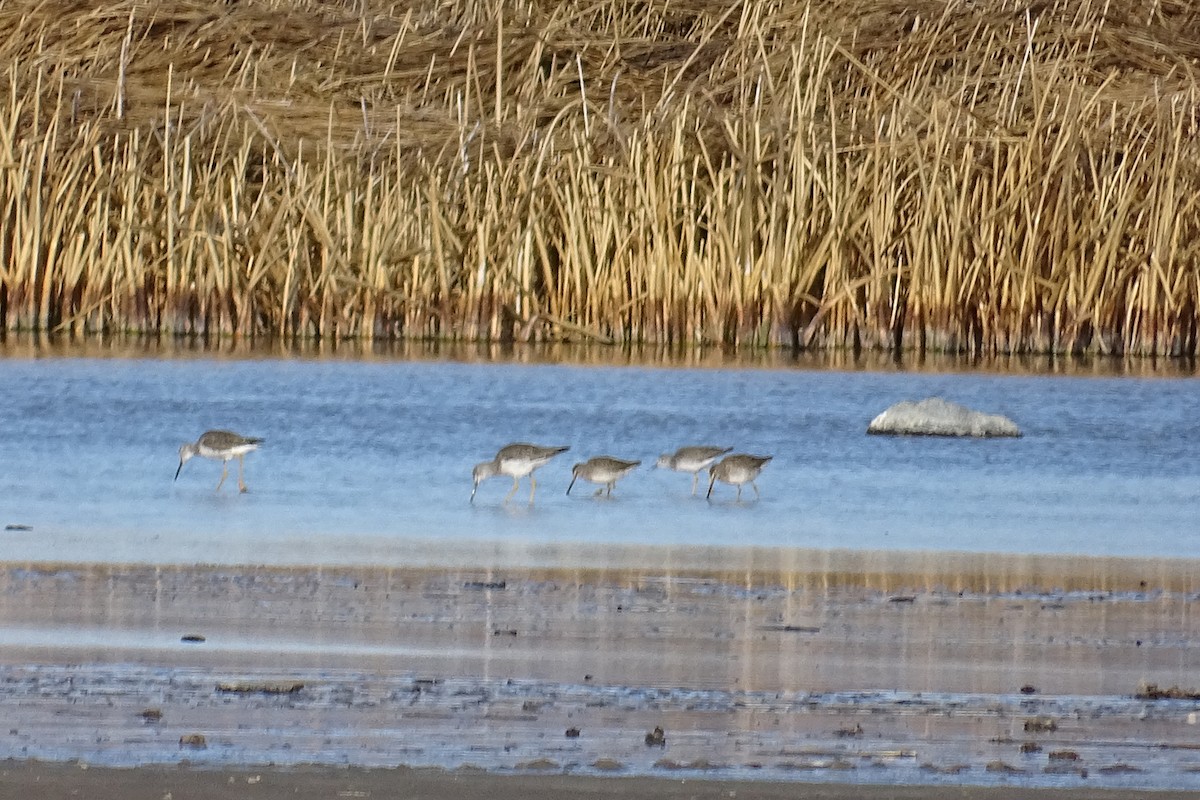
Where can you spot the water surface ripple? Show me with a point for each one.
(370, 461)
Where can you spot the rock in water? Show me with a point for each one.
(937, 417)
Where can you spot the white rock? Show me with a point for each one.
(937, 417)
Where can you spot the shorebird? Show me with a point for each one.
(737, 470)
(223, 446)
(691, 459)
(604, 470)
(516, 461)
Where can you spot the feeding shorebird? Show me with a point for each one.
(223, 446)
(604, 470)
(516, 461)
(737, 470)
(691, 459)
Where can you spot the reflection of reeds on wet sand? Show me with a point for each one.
(834, 174)
(813, 663)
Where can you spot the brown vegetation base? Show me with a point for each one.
(983, 177)
(587, 354)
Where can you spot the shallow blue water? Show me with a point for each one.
(362, 459)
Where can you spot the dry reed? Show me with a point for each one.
(955, 176)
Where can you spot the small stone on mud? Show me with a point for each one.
(1030, 747)
(945, 769)
(191, 637)
(572, 733)
(151, 714)
(791, 628)
(17, 526)
(1064, 768)
(847, 732)
(1040, 725)
(698, 764)
(1150, 691)
(193, 740)
(1120, 769)
(1028, 689)
(538, 764)
(1000, 766)
(607, 765)
(284, 687)
(1062, 755)
(656, 738)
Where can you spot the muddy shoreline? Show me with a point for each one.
(856, 670)
(54, 781)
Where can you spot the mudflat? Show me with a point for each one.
(55, 781)
(828, 675)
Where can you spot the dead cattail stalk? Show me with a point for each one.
(992, 180)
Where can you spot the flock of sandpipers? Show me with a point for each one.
(522, 459)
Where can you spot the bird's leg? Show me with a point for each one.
(739, 494)
(757, 496)
(532, 487)
(241, 468)
(695, 480)
(224, 474)
(512, 491)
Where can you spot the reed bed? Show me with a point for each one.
(954, 176)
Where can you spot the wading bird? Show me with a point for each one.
(516, 461)
(222, 446)
(737, 470)
(691, 459)
(604, 470)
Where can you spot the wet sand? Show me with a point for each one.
(832, 673)
(58, 781)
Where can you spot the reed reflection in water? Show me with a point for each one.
(755, 669)
(775, 632)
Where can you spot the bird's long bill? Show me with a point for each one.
(712, 479)
(473, 489)
(179, 470)
(571, 484)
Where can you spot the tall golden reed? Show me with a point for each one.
(962, 175)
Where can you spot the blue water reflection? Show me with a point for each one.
(363, 457)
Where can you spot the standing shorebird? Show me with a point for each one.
(737, 470)
(691, 459)
(223, 446)
(516, 461)
(604, 470)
